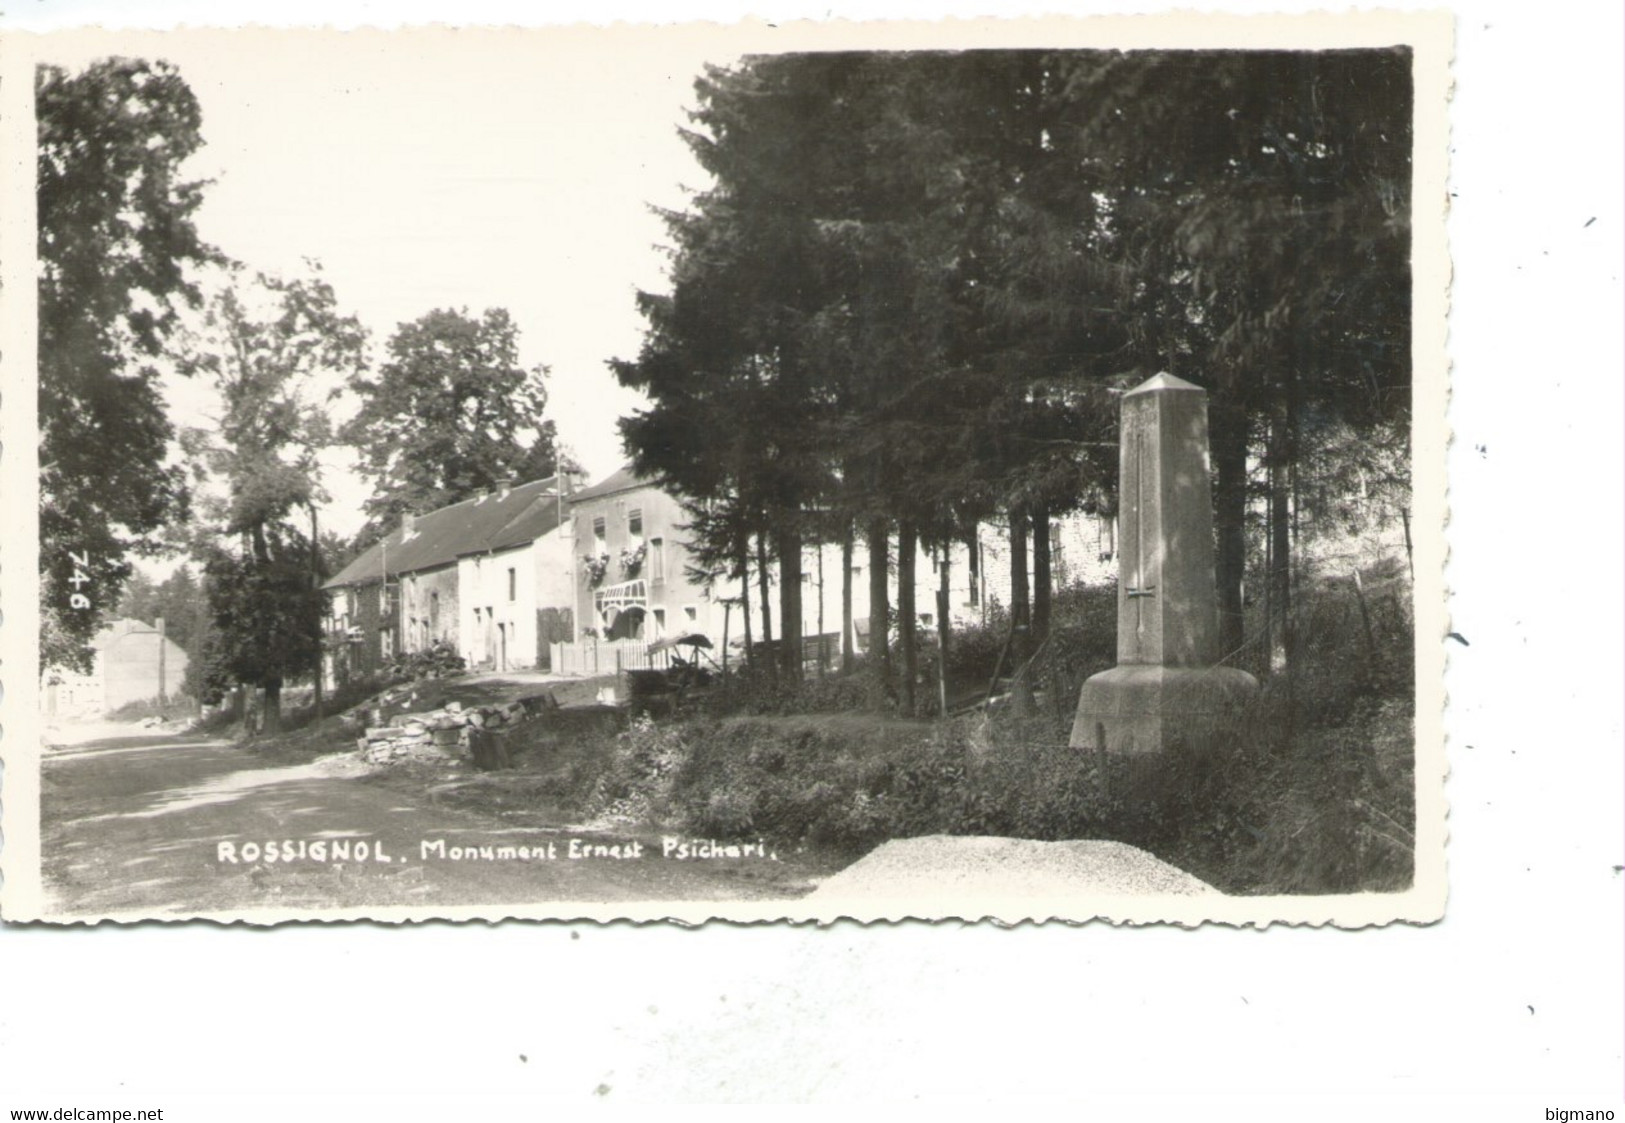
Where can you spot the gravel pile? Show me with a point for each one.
(955, 868)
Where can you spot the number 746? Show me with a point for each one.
(80, 579)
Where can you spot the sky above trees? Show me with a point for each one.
(488, 172)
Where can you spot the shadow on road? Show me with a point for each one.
(148, 822)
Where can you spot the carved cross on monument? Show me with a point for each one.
(1166, 688)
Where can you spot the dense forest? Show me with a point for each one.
(918, 283)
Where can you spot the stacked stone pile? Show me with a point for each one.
(360, 718)
(442, 734)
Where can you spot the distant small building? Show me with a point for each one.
(134, 661)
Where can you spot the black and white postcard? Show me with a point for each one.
(965, 470)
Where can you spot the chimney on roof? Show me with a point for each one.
(408, 523)
(504, 486)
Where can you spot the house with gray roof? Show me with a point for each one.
(473, 575)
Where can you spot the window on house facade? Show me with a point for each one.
(434, 610)
(513, 583)
(600, 534)
(634, 526)
(657, 559)
(692, 613)
(660, 621)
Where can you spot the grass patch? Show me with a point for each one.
(1246, 821)
(1309, 791)
(174, 707)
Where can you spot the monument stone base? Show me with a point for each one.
(1147, 708)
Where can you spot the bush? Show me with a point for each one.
(173, 706)
(813, 779)
(1082, 640)
(1255, 815)
(635, 786)
(434, 661)
(348, 694)
(973, 652)
(1327, 797)
(852, 783)
(758, 690)
(1337, 828)
(351, 693)
(1309, 790)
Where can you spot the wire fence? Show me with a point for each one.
(1346, 642)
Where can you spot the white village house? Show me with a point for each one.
(514, 587)
(133, 662)
(634, 586)
(480, 575)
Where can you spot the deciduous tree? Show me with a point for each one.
(450, 414)
(178, 599)
(270, 345)
(117, 243)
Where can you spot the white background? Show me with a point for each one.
(1513, 1002)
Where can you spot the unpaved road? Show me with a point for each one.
(179, 825)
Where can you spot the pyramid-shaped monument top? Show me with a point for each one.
(1163, 381)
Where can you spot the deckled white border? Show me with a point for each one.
(1430, 36)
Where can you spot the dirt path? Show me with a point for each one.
(181, 825)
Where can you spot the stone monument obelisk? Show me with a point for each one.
(1167, 689)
